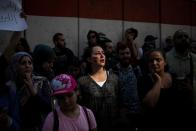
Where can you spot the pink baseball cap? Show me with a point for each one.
(62, 84)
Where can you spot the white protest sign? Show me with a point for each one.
(10, 15)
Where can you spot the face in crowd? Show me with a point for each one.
(67, 101)
(60, 42)
(131, 34)
(109, 48)
(47, 66)
(92, 38)
(25, 66)
(65, 91)
(157, 61)
(97, 57)
(21, 65)
(124, 55)
(181, 41)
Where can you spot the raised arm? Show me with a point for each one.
(10, 49)
(152, 97)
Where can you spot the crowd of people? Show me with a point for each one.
(113, 87)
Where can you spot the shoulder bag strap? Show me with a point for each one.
(56, 121)
(87, 117)
(191, 69)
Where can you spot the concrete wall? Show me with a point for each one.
(74, 18)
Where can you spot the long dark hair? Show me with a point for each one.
(87, 54)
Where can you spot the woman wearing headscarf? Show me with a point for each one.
(32, 93)
(43, 59)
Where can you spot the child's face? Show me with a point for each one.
(67, 101)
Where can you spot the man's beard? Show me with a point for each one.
(182, 47)
(61, 46)
(125, 63)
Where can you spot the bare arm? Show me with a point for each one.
(10, 49)
(152, 97)
(134, 49)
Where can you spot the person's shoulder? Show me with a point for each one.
(83, 79)
(68, 50)
(135, 43)
(10, 84)
(49, 120)
(193, 55)
(115, 68)
(193, 58)
(111, 73)
(86, 110)
(146, 78)
(40, 81)
(51, 115)
(38, 78)
(55, 49)
(171, 52)
(112, 76)
(170, 55)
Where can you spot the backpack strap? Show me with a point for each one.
(191, 69)
(87, 116)
(56, 121)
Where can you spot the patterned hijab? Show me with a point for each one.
(15, 59)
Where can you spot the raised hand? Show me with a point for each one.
(28, 83)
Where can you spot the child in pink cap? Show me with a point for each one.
(68, 115)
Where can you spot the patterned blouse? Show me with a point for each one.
(101, 100)
(128, 89)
